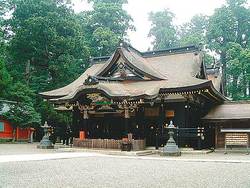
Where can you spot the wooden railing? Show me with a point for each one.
(107, 143)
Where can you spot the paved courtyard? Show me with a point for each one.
(87, 169)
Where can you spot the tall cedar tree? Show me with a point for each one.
(47, 43)
(106, 25)
(163, 31)
(230, 23)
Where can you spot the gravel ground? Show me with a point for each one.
(23, 148)
(109, 172)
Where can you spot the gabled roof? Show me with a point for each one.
(171, 70)
(132, 59)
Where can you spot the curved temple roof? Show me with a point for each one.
(134, 60)
(172, 70)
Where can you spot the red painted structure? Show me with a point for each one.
(7, 132)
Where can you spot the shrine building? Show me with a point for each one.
(140, 93)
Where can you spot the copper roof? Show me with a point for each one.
(168, 70)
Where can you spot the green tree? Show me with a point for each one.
(53, 117)
(22, 114)
(230, 23)
(5, 80)
(47, 44)
(194, 32)
(209, 60)
(3, 9)
(238, 69)
(106, 25)
(162, 30)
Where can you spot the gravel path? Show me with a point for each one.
(112, 172)
(22, 148)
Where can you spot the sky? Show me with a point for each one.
(184, 10)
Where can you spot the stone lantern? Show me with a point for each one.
(45, 143)
(171, 149)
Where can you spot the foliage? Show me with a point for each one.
(238, 69)
(22, 114)
(47, 43)
(5, 80)
(21, 93)
(106, 25)
(208, 59)
(48, 113)
(228, 24)
(193, 32)
(162, 30)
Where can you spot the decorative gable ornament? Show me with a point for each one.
(123, 72)
(95, 97)
(91, 80)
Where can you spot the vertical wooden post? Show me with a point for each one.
(159, 125)
(216, 135)
(85, 121)
(126, 119)
(75, 120)
(199, 138)
(141, 123)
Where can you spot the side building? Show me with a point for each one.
(140, 93)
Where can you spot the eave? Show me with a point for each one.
(205, 88)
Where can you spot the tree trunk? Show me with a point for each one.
(234, 92)
(244, 84)
(27, 72)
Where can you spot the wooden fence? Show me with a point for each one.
(107, 143)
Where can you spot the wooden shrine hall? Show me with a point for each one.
(140, 93)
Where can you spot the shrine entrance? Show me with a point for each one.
(105, 126)
(150, 131)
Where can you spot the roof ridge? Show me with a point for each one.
(181, 49)
(187, 48)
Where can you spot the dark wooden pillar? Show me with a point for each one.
(139, 118)
(160, 125)
(75, 122)
(187, 114)
(126, 120)
(85, 122)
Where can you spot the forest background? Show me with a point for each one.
(45, 45)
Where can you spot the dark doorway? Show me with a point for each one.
(150, 131)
